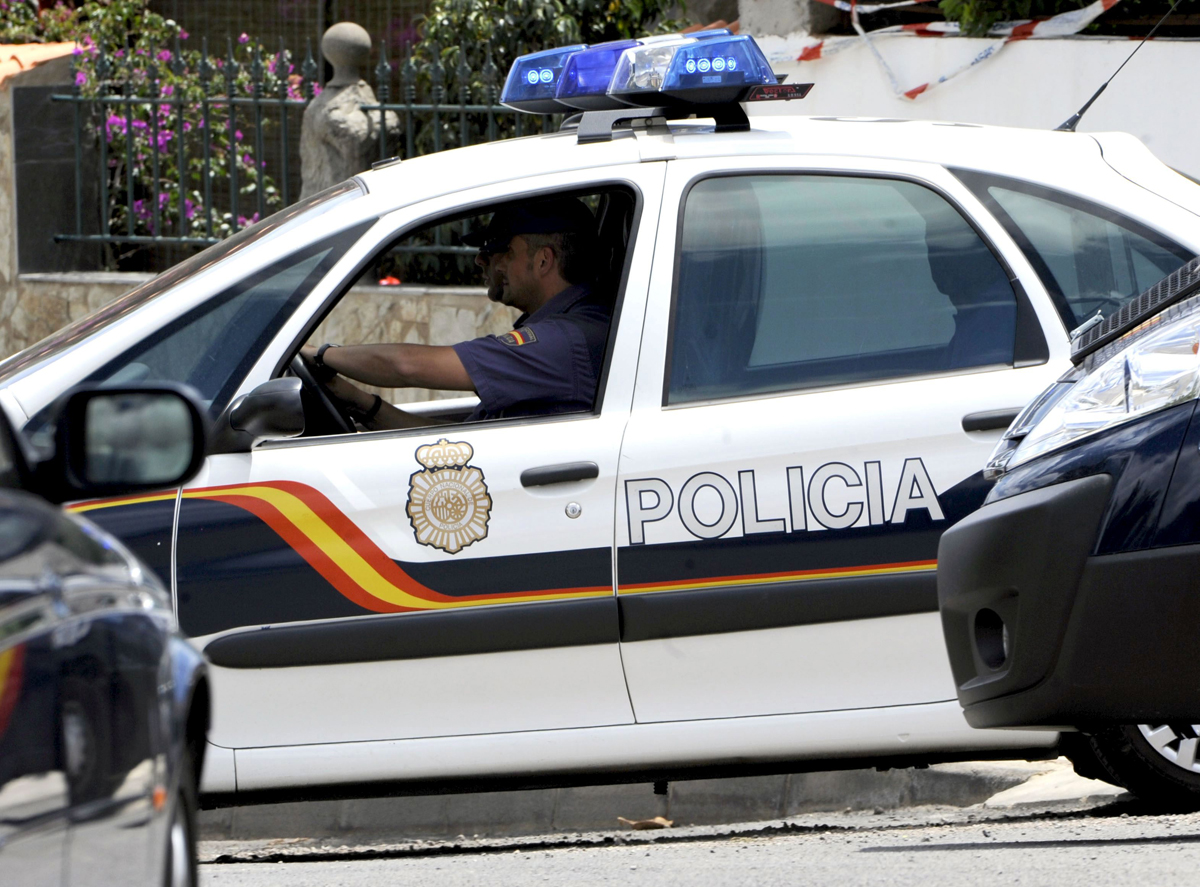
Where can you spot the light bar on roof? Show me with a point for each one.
(706, 70)
(533, 80)
(586, 75)
(705, 67)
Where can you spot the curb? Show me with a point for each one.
(549, 811)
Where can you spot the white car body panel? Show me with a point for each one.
(899, 731)
(491, 693)
(859, 664)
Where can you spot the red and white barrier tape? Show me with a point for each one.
(1003, 33)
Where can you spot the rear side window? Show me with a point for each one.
(791, 282)
(1090, 259)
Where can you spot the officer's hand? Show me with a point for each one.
(349, 394)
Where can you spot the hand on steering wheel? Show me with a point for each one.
(334, 413)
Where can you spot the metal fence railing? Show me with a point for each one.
(189, 147)
(445, 124)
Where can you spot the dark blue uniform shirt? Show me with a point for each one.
(549, 363)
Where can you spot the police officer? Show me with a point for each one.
(537, 257)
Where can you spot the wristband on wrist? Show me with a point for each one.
(365, 416)
(319, 360)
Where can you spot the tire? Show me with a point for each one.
(86, 737)
(1078, 749)
(1160, 763)
(180, 856)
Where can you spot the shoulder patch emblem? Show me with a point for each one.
(522, 336)
(448, 501)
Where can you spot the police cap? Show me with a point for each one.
(555, 215)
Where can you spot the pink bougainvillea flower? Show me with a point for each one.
(243, 37)
(80, 78)
(183, 35)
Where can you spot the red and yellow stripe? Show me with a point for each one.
(786, 576)
(339, 550)
(353, 564)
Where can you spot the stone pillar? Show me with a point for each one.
(337, 138)
(759, 18)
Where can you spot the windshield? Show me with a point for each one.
(74, 333)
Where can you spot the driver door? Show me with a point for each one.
(425, 582)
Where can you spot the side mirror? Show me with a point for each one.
(272, 411)
(116, 441)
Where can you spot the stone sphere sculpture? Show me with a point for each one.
(338, 139)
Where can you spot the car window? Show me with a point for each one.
(425, 287)
(213, 346)
(789, 282)
(1090, 259)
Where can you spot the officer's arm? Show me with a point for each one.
(398, 366)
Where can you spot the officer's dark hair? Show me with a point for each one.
(574, 250)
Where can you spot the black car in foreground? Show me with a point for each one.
(103, 706)
(1072, 598)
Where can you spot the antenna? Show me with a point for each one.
(1069, 125)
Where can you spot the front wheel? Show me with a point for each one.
(181, 832)
(1160, 763)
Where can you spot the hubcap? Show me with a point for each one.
(1175, 742)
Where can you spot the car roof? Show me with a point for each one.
(1038, 155)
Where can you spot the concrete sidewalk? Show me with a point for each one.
(699, 802)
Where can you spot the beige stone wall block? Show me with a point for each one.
(449, 324)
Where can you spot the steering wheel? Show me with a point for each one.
(333, 418)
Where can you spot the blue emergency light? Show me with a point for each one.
(706, 67)
(707, 70)
(586, 75)
(533, 80)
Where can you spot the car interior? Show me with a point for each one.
(425, 287)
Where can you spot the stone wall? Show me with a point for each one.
(417, 314)
(36, 305)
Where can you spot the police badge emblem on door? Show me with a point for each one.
(448, 501)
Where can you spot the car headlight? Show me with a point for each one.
(1158, 367)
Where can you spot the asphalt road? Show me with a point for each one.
(1108, 842)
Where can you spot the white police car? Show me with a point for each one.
(821, 327)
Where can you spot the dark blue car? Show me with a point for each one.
(103, 705)
(1072, 598)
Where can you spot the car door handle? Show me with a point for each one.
(989, 420)
(562, 473)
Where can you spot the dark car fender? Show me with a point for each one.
(184, 695)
